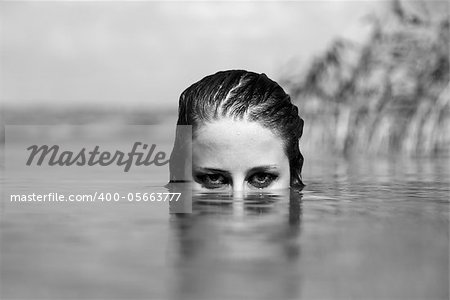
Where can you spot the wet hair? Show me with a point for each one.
(244, 95)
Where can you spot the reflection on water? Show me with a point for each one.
(360, 229)
(245, 248)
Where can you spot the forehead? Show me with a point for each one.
(236, 144)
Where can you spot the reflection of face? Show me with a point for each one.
(238, 156)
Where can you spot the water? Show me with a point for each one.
(361, 229)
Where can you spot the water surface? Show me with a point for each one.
(361, 228)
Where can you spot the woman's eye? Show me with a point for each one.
(212, 181)
(261, 180)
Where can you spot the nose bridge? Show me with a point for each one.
(238, 184)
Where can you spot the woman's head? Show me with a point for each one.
(245, 128)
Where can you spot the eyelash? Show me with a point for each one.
(209, 183)
(266, 179)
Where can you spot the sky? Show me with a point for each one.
(136, 53)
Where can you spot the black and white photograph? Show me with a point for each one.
(200, 150)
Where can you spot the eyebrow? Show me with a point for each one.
(252, 170)
(264, 168)
(211, 170)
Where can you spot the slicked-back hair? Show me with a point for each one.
(243, 95)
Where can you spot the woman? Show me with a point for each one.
(245, 134)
